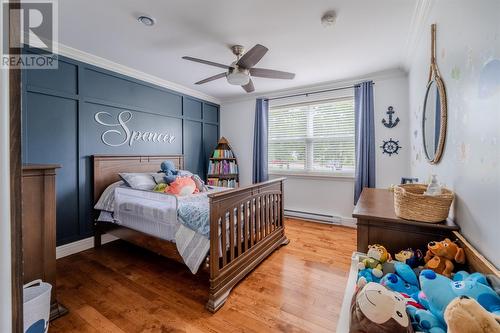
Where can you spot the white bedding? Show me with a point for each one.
(156, 214)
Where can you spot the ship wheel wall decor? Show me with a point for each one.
(390, 146)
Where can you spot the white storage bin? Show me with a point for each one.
(36, 299)
(345, 311)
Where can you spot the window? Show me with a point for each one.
(312, 138)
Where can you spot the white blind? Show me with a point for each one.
(312, 137)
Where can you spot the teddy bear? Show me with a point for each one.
(440, 291)
(377, 255)
(375, 308)
(413, 258)
(440, 255)
(466, 315)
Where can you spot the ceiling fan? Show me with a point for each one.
(240, 71)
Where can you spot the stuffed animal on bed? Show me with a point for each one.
(466, 315)
(440, 256)
(377, 256)
(170, 171)
(161, 187)
(374, 308)
(410, 257)
(182, 186)
(440, 291)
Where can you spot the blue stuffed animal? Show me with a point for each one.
(366, 275)
(170, 171)
(424, 321)
(463, 275)
(440, 291)
(403, 280)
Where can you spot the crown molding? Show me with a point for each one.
(377, 76)
(79, 55)
(417, 28)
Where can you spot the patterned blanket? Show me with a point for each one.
(193, 212)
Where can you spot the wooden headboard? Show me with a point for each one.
(107, 167)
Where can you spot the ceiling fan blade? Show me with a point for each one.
(249, 87)
(215, 77)
(271, 74)
(252, 56)
(206, 62)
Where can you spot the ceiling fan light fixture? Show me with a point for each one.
(238, 77)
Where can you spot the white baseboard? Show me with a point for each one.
(322, 218)
(81, 245)
(88, 243)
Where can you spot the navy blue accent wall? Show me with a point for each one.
(60, 126)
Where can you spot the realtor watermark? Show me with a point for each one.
(35, 46)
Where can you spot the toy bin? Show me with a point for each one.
(345, 311)
(36, 299)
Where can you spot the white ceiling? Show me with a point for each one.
(369, 36)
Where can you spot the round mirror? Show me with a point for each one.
(434, 120)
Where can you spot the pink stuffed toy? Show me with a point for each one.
(182, 186)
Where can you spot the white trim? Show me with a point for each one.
(417, 27)
(378, 76)
(321, 218)
(91, 59)
(348, 176)
(81, 245)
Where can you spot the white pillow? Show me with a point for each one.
(139, 181)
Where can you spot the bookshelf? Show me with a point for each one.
(223, 166)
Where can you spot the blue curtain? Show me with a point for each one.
(364, 138)
(260, 173)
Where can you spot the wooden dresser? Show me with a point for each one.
(39, 228)
(378, 224)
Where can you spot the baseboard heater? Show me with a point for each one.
(322, 218)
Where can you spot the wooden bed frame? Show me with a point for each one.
(256, 216)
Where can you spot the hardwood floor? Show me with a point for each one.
(122, 288)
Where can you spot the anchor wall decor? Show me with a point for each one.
(390, 123)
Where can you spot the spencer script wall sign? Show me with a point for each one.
(128, 136)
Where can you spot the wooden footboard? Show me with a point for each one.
(246, 225)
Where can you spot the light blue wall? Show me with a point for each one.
(468, 56)
(59, 126)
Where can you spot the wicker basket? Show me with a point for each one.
(410, 203)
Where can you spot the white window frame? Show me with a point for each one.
(309, 141)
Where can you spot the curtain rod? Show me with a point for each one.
(314, 92)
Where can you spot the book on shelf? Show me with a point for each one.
(222, 167)
(222, 153)
(222, 182)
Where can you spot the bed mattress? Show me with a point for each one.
(156, 214)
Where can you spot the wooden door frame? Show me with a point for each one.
(15, 175)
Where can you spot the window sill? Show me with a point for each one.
(335, 176)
